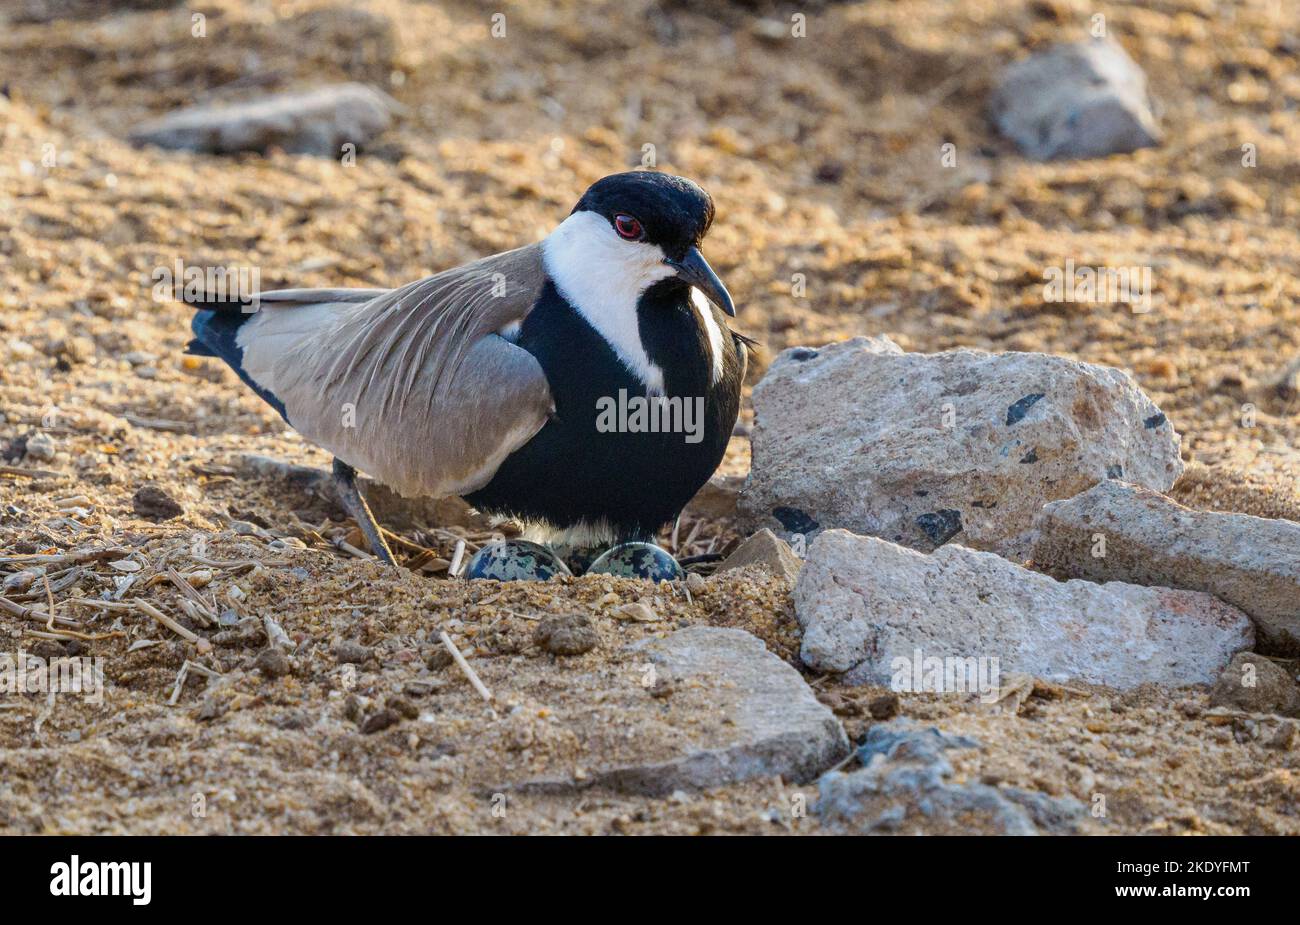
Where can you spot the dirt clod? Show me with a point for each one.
(153, 503)
(566, 634)
(885, 706)
(273, 663)
(403, 707)
(348, 652)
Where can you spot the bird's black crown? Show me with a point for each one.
(675, 212)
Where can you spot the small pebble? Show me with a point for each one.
(351, 653)
(19, 582)
(637, 611)
(379, 721)
(41, 447)
(21, 350)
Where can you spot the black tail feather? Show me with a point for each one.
(220, 305)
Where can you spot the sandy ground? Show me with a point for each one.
(823, 154)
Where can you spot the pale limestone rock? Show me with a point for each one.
(865, 604)
(318, 121)
(1081, 99)
(721, 708)
(1120, 532)
(921, 449)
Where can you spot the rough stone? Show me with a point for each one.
(318, 121)
(865, 603)
(1146, 538)
(1257, 685)
(923, 449)
(1079, 99)
(905, 785)
(734, 712)
(767, 551)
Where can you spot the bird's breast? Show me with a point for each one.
(616, 451)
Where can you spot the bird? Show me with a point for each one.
(496, 381)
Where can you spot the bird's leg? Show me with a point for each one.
(345, 480)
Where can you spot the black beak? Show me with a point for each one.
(694, 269)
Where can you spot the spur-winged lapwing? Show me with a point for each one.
(586, 385)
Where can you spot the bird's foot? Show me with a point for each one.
(638, 560)
(515, 560)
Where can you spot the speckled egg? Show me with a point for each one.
(515, 560)
(638, 560)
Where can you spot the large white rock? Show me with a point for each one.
(1120, 532)
(865, 603)
(722, 709)
(1082, 99)
(921, 448)
(318, 121)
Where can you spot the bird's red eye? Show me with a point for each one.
(628, 228)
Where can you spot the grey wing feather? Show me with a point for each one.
(289, 298)
(411, 385)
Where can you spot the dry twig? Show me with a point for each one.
(465, 667)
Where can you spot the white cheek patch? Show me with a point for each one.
(704, 308)
(602, 277)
